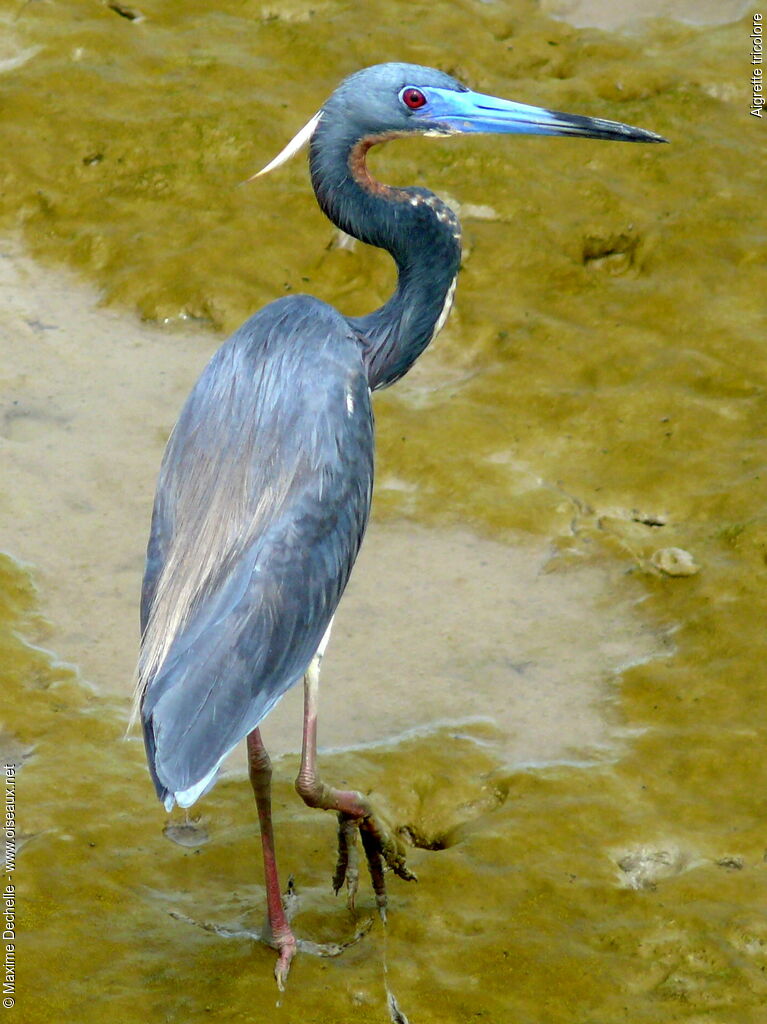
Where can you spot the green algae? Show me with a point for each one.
(602, 383)
(526, 909)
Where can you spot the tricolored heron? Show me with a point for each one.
(264, 491)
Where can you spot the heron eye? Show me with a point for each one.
(413, 98)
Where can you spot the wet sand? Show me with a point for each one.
(606, 14)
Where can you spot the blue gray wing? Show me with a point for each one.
(261, 505)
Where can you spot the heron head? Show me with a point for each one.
(393, 99)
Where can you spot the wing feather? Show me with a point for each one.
(262, 502)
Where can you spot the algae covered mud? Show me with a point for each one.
(596, 405)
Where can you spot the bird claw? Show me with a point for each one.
(286, 950)
(382, 851)
(286, 946)
(347, 866)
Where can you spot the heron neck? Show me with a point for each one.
(419, 231)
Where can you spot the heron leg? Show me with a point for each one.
(278, 930)
(354, 811)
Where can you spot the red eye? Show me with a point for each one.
(413, 98)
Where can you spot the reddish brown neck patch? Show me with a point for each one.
(359, 168)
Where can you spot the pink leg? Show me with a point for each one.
(354, 811)
(281, 936)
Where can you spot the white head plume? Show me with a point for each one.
(296, 143)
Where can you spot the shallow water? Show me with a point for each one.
(597, 397)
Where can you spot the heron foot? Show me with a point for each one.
(382, 850)
(286, 946)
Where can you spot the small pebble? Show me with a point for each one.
(675, 562)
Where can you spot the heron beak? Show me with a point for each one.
(453, 112)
